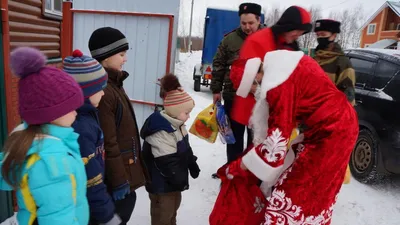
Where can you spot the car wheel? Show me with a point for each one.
(364, 160)
(197, 84)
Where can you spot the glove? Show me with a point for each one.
(194, 168)
(116, 220)
(120, 192)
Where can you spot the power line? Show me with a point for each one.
(345, 1)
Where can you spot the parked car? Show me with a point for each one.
(218, 23)
(377, 151)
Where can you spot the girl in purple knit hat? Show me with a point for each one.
(41, 158)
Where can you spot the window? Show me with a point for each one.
(398, 26)
(52, 8)
(364, 71)
(384, 72)
(371, 29)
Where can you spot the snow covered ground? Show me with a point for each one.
(358, 204)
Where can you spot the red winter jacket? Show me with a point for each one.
(255, 46)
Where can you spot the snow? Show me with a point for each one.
(358, 204)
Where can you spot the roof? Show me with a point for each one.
(382, 44)
(395, 6)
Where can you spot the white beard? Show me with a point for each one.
(259, 118)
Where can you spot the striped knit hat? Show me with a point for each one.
(89, 73)
(106, 42)
(176, 100)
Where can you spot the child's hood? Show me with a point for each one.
(159, 121)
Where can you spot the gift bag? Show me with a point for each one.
(347, 176)
(224, 126)
(240, 200)
(205, 125)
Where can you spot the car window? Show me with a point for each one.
(384, 71)
(364, 70)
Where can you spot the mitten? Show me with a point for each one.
(194, 168)
(120, 192)
(116, 220)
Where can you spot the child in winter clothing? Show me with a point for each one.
(167, 152)
(41, 158)
(92, 78)
(124, 172)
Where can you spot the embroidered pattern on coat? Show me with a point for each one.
(282, 211)
(274, 147)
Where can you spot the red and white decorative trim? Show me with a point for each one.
(281, 210)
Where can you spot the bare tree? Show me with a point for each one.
(309, 40)
(351, 20)
(182, 25)
(272, 14)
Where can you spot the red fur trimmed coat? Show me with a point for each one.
(294, 88)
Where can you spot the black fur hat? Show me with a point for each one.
(327, 25)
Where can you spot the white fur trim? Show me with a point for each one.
(260, 168)
(249, 74)
(266, 187)
(278, 66)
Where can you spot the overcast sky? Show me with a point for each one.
(200, 6)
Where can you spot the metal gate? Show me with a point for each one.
(150, 37)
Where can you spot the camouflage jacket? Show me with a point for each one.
(227, 52)
(339, 69)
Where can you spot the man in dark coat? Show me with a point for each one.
(227, 52)
(331, 58)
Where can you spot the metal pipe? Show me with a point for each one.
(190, 29)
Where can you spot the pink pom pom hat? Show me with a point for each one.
(45, 93)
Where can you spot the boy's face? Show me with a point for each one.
(96, 98)
(184, 116)
(115, 62)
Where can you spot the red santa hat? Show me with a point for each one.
(278, 67)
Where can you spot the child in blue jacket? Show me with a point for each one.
(167, 152)
(92, 78)
(41, 158)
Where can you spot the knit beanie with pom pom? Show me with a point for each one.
(45, 93)
(89, 73)
(176, 100)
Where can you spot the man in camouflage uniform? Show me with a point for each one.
(336, 65)
(227, 52)
(331, 58)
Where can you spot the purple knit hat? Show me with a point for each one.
(45, 93)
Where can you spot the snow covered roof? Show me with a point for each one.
(382, 43)
(395, 6)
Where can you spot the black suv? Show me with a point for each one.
(377, 151)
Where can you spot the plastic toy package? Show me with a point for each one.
(224, 126)
(205, 125)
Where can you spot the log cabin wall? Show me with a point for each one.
(28, 27)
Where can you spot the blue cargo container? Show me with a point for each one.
(218, 22)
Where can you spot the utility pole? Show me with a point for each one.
(190, 29)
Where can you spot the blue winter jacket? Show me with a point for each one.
(53, 182)
(167, 154)
(91, 142)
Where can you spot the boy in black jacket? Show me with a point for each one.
(167, 153)
(93, 79)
